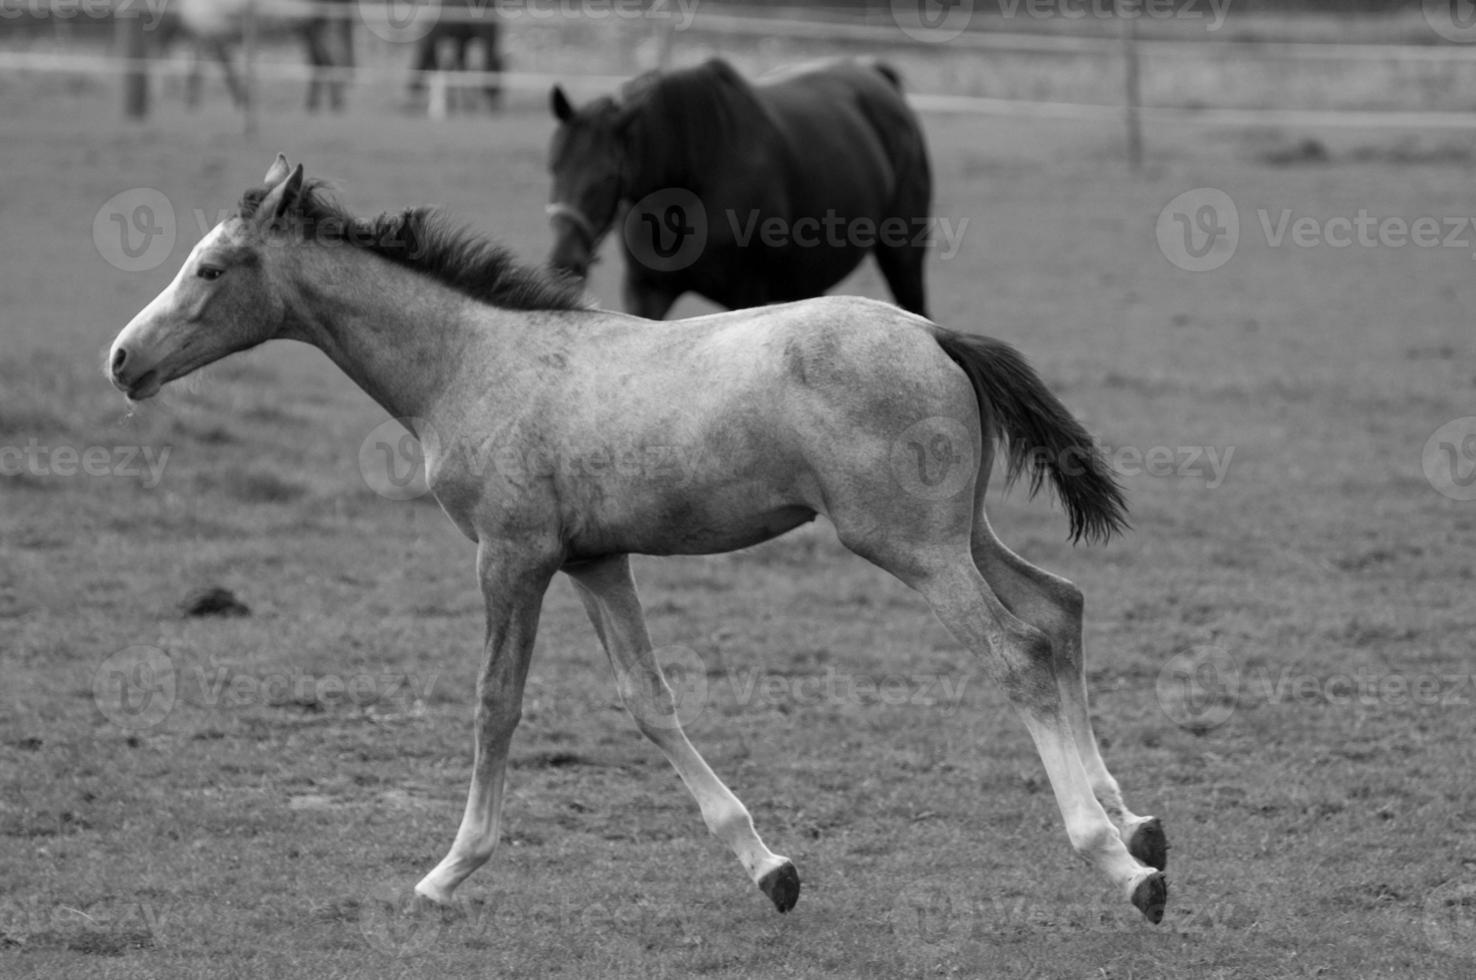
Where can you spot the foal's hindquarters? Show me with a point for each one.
(848, 404)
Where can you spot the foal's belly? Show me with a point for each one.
(685, 523)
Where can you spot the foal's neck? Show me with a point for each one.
(398, 334)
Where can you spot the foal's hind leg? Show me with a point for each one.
(1022, 658)
(1054, 606)
(609, 596)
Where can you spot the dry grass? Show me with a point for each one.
(272, 822)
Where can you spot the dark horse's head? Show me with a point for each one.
(588, 163)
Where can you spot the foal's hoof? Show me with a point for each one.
(1151, 896)
(782, 885)
(1149, 844)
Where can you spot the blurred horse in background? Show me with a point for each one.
(447, 48)
(215, 27)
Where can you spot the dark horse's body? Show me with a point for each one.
(459, 35)
(745, 194)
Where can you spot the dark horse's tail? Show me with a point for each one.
(1041, 434)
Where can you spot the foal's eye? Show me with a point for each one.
(209, 273)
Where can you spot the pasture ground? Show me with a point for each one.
(272, 822)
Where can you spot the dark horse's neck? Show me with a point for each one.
(687, 127)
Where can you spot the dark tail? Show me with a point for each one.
(1041, 435)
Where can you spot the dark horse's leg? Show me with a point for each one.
(902, 267)
(902, 261)
(492, 61)
(643, 299)
(319, 58)
(425, 61)
(344, 27)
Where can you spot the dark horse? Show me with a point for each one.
(745, 194)
(459, 35)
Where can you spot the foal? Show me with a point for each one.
(782, 413)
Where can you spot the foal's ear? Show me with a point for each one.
(560, 104)
(278, 171)
(281, 198)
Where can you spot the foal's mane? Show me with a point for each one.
(695, 114)
(427, 241)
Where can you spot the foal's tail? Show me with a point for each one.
(1040, 433)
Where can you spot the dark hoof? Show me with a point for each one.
(1149, 844)
(782, 886)
(1151, 896)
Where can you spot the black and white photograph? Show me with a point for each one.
(737, 489)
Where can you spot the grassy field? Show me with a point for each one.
(1280, 650)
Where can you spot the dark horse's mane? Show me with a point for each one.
(694, 114)
(426, 241)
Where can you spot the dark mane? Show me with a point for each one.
(691, 116)
(427, 241)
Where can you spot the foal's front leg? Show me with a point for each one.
(513, 590)
(609, 596)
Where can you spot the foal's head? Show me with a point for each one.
(225, 298)
(588, 162)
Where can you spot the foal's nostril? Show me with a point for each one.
(119, 356)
